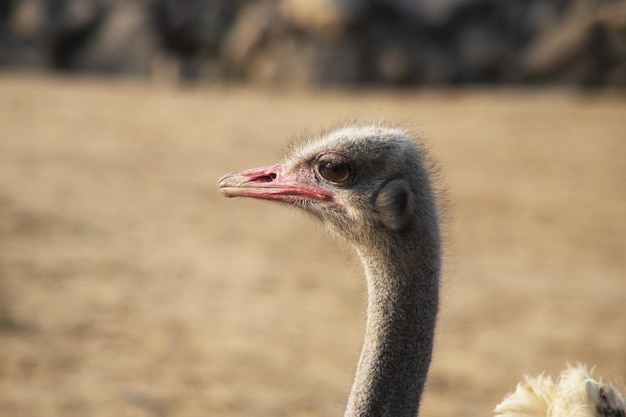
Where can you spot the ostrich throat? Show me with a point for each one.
(403, 291)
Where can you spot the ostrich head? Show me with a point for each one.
(364, 182)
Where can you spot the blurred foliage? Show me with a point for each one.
(574, 42)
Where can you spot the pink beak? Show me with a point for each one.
(270, 183)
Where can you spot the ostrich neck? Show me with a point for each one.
(403, 288)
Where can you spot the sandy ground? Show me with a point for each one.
(130, 287)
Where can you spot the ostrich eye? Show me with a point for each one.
(336, 172)
(335, 168)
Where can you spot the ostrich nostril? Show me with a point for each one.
(266, 178)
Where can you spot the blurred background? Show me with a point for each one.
(130, 287)
(330, 42)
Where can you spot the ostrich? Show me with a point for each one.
(370, 185)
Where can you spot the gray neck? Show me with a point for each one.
(403, 293)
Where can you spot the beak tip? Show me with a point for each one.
(225, 193)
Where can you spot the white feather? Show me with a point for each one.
(574, 394)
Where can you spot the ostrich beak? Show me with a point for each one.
(270, 183)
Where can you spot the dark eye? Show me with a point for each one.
(335, 168)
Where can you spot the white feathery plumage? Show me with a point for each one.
(574, 394)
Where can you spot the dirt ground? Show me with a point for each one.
(130, 287)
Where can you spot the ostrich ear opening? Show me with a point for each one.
(393, 204)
